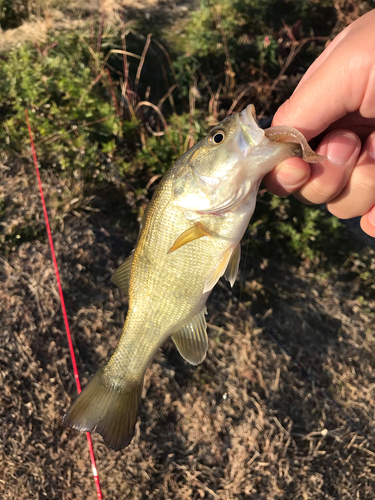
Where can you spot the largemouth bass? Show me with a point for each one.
(190, 237)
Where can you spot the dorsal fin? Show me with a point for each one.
(191, 340)
(233, 265)
(121, 276)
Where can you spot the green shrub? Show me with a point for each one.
(250, 32)
(168, 148)
(74, 121)
(296, 230)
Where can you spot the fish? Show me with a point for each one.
(189, 238)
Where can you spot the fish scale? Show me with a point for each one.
(190, 236)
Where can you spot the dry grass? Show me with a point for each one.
(55, 15)
(241, 425)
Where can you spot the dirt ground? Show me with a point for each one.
(242, 425)
(246, 424)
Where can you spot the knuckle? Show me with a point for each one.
(320, 193)
(363, 178)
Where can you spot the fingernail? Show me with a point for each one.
(371, 216)
(290, 177)
(371, 148)
(340, 148)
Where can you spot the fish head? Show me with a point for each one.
(220, 171)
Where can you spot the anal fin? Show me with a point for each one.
(218, 271)
(191, 340)
(121, 277)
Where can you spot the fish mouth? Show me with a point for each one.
(250, 133)
(248, 117)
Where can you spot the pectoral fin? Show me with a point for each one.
(218, 271)
(191, 340)
(191, 234)
(121, 276)
(233, 265)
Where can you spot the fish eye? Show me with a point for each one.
(217, 137)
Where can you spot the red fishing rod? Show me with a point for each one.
(62, 302)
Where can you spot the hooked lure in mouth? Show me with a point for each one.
(190, 237)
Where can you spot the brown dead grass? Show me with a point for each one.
(242, 425)
(55, 15)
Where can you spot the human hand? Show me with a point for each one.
(336, 98)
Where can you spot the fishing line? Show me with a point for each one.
(302, 370)
(62, 302)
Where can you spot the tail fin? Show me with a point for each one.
(112, 410)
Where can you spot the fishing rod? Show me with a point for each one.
(62, 304)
